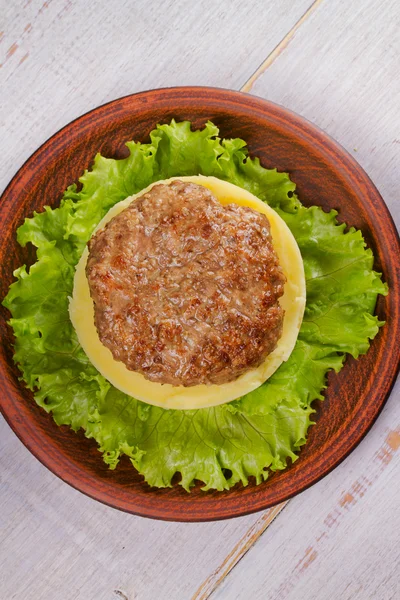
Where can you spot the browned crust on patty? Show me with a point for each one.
(186, 290)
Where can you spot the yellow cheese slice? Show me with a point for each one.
(201, 396)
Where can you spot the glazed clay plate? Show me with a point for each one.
(325, 175)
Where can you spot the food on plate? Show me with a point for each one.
(220, 302)
(186, 291)
(245, 413)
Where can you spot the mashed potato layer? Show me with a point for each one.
(201, 396)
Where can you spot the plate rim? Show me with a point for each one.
(85, 486)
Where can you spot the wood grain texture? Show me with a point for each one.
(325, 175)
(236, 554)
(279, 48)
(62, 58)
(340, 71)
(340, 539)
(57, 544)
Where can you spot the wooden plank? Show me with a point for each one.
(57, 543)
(58, 60)
(341, 71)
(340, 539)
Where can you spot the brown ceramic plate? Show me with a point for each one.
(325, 175)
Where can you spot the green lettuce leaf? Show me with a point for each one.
(219, 446)
(200, 444)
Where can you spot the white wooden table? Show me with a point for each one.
(335, 62)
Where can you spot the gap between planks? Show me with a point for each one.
(263, 522)
(279, 48)
(239, 550)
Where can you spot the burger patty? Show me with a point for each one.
(186, 290)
